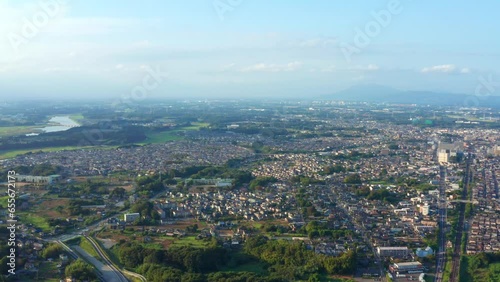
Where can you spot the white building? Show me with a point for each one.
(425, 209)
(422, 253)
(392, 251)
(407, 267)
(38, 179)
(130, 217)
(443, 156)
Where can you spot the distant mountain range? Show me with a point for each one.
(383, 94)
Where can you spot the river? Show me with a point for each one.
(57, 123)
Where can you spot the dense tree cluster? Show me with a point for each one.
(80, 271)
(240, 177)
(75, 206)
(145, 208)
(44, 169)
(305, 180)
(108, 134)
(52, 251)
(197, 172)
(316, 229)
(151, 262)
(481, 267)
(378, 194)
(284, 261)
(149, 184)
(293, 261)
(354, 178)
(262, 181)
(333, 169)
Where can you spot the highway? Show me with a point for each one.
(441, 255)
(75, 255)
(107, 271)
(119, 276)
(455, 267)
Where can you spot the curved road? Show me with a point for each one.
(109, 266)
(107, 272)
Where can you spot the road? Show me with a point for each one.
(118, 275)
(94, 226)
(457, 251)
(107, 271)
(441, 255)
(76, 255)
(363, 232)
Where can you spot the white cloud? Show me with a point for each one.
(318, 42)
(129, 68)
(465, 70)
(228, 67)
(370, 67)
(330, 68)
(448, 68)
(62, 69)
(440, 68)
(262, 67)
(358, 78)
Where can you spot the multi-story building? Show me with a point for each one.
(392, 251)
(130, 217)
(38, 179)
(407, 267)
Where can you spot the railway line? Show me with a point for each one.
(457, 252)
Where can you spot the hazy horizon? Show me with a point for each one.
(244, 49)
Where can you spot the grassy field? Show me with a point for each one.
(48, 272)
(3, 201)
(77, 117)
(11, 154)
(187, 241)
(6, 131)
(470, 118)
(257, 225)
(87, 246)
(447, 269)
(171, 135)
(152, 138)
(161, 137)
(16, 130)
(152, 246)
(35, 219)
(195, 126)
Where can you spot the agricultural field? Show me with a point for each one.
(154, 241)
(6, 131)
(38, 210)
(171, 135)
(13, 153)
(77, 117)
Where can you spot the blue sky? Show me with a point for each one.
(244, 48)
